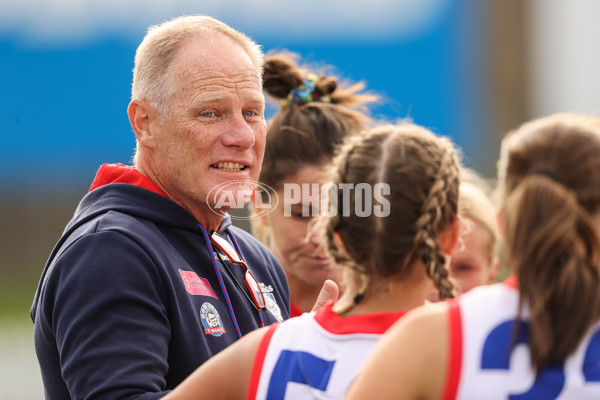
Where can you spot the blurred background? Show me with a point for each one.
(467, 69)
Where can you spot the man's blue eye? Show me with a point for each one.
(208, 114)
(248, 113)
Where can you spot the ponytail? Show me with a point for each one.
(554, 248)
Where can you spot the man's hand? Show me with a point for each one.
(329, 292)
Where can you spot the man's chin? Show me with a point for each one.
(230, 195)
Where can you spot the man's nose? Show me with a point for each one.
(239, 133)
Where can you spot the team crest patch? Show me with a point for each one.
(273, 306)
(211, 320)
(196, 285)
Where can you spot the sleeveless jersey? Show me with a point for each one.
(484, 363)
(315, 355)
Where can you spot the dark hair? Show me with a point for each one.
(422, 172)
(303, 134)
(549, 172)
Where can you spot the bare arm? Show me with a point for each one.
(224, 376)
(410, 360)
(227, 375)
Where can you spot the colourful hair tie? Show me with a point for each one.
(305, 93)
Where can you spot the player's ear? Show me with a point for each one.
(448, 238)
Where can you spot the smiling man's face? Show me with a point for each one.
(215, 128)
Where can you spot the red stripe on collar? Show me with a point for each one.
(376, 323)
(119, 173)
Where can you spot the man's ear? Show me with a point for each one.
(448, 238)
(140, 115)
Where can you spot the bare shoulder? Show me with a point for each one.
(213, 379)
(421, 320)
(410, 360)
(420, 337)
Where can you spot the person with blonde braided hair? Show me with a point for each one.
(537, 334)
(316, 113)
(390, 255)
(476, 259)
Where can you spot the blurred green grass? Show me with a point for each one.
(17, 289)
(32, 222)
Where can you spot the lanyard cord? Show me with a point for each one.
(239, 250)
(220, 279)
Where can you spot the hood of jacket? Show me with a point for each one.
(122, 189)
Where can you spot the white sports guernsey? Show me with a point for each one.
(315, 355)
(484, 364)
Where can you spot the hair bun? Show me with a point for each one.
(284, 79)
(280, 76)
(326, 85)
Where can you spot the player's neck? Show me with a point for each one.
(395, 293)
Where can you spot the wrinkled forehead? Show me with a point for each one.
(211, 79)
(214, 64)
(214, 52)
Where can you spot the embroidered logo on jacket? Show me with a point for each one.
(211, 320)
(273, 306)
(196, 285)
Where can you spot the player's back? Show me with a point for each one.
(315, 355)
(496, 365)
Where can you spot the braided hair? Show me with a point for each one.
(422, 172)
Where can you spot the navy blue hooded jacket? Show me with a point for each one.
(129, 303)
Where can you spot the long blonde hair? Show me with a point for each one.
(476, 204)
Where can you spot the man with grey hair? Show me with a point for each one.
(127, 303)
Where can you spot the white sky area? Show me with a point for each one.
(564, 46)
(64, 21)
